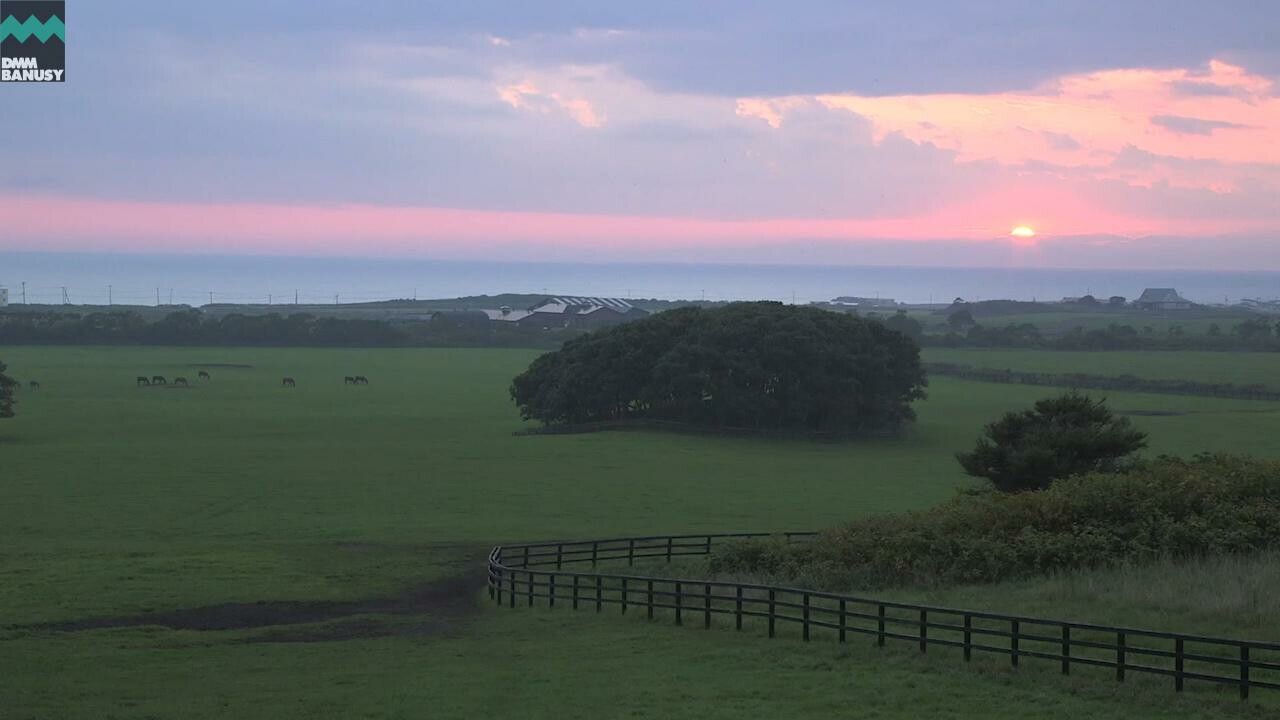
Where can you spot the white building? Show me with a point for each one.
(4, 297)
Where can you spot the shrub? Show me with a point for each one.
(1168, 508)
(1059, 437)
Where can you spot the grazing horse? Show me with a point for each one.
(159, 380)
(202, 375)
(33, 385)
(348, 380)
(181, 381)
(362, 380)
(288, 382)
(143, 381)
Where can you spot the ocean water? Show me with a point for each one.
(139, 279)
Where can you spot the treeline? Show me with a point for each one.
(192, 327)
(1104, 382)
(1252, 334)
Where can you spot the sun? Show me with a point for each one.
(1024, 232)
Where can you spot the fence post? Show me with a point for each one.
(575, 592)
(668, 548)
(599, 593)
(497, 583)
(924, 631)
(529, 577)
(1014, 639)
(631, 552)
(968, 637)
(843, 616)
(1066, 649)
(595, 552)
(707, 548)
(706, 607)
(551, 590)
(806, 617)
(737, 610)
(1244, 672)
(1120, 656)
(649, 601)
(526, 556)
(624, 596)
(679, 604)
(773, 610)
(559, 555)
(511, 594)
(880, 626)
(1178, 663)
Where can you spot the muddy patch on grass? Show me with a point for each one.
(444, 602)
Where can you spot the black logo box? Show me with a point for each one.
(51, 55)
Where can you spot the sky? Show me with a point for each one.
(1125, 133)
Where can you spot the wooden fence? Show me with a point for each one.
(533, 574)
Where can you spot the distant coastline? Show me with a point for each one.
(100, 279)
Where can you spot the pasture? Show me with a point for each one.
(239, 549)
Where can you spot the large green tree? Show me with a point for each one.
(7, 384)
(1060, 436)
(755, 365)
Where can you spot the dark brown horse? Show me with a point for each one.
(159, 380)
(288, 382)
(33, 385)
(348, 380)
(203, 375)
(181, 381)
(143, 381)
(362, 380)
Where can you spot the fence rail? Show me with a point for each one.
(532, 573)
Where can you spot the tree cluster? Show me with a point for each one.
(749, 365)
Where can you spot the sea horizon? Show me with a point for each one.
(197, 279)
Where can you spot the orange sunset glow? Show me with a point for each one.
(559, 154)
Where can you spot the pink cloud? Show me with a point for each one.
(1082, 120)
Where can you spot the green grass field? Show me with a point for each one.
(1241, 368)
(352, 507)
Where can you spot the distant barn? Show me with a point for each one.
(1162, 299)
(586, 313)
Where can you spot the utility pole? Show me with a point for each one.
(268, 298)
(210, 297)
(295, 296)
(109, 298)
(157, 297)
(24, 292)
(335, 298)
(65, 300)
